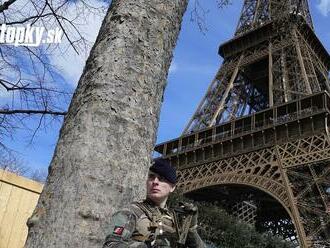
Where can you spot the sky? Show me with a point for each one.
(193, 67)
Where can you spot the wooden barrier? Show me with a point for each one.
(18, 198)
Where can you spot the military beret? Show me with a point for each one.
(163, 168)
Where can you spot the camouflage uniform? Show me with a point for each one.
(145, 225)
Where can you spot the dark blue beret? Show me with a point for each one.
(163, 168)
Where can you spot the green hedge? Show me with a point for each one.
(219, 229)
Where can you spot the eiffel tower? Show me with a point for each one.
(259, 140)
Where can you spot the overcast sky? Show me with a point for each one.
(193, 67)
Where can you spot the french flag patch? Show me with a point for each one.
(118, 230)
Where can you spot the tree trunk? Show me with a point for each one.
(103, 152)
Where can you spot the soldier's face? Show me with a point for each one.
(158, 188)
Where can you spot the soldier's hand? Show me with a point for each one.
(192, 209)
(189, 207)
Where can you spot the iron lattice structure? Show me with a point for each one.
(260, 135)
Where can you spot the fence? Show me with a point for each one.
(18, 198)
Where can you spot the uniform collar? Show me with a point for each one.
(153, 205)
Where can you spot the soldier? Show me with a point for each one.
(150, 224)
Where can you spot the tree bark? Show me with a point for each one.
(104, 149)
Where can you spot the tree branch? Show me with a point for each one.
(28, 19)
(6, 5)
(30, 111)
(63, 29)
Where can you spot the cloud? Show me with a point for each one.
(324, 7)
(173, 67)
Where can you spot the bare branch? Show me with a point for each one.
(223, 3)
(59, 23)
(30, 111)
(33, 87)
(6, 5)
(198, 15)
(34, 18)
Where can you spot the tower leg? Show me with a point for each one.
(294, 210)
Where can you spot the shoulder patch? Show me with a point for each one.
(118, 230)
(122, 224)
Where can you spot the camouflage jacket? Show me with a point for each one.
(144, 225)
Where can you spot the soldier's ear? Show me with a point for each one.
(172, 188)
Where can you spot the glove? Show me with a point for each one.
(191, 209)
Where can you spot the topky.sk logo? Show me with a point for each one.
(29, 35)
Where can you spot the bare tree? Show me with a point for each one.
(12, 163)
(30, 86)
(39, 175)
